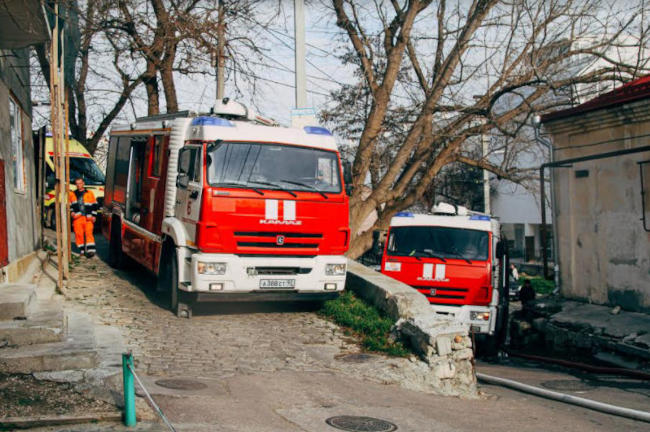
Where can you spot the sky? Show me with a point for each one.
(275, 94)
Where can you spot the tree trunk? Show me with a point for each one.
(167, 78)
(151, 84)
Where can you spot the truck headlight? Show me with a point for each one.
(479, 316)
(335, 269)
(393, 266)
(211, 268)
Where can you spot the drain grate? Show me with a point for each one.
(567, 385)
(360, 424)
(181, 384)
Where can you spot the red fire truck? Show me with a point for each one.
(228, 206)
(451, 256)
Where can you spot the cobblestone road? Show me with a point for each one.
(217, 341)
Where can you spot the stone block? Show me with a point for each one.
(443, 346)
(465, 354)
(444, 370)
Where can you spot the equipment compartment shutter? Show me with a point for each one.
(4, 246)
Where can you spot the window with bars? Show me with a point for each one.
(18, 158)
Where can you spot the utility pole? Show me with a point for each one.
(299, 37)
(221, 47)
(485, 140)
(60, 156)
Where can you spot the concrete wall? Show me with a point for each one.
(23, 223)
(604, 251)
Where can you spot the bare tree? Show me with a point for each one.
(435, 75)
(181, 36)
(99, 79)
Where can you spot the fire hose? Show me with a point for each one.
(563, 397)
(586, 367)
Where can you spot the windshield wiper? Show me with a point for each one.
(226, 184)
(275, 185)
(455, 251)
(427, 253)
(310, 187)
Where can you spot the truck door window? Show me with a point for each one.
(136, 179)
(121, 172)
(189, 162)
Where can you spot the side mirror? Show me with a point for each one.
(347, 176)
(502, 248)
(182, 180)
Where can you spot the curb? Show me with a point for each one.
(9, 423)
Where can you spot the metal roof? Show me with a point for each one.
(22, 23)
(630, 92)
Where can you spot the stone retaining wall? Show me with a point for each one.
(444, 345)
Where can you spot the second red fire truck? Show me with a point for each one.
(228, 206)
(451, 256)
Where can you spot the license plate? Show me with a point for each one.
(277, 283)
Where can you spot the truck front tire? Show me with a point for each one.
(168, 281)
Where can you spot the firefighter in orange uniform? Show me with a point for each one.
(83, 207)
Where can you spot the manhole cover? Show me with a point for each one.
(360, 424)
(181, 384)
(356, 358)
(567, 385)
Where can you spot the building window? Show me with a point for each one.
(16, 125)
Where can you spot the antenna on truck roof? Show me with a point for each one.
(233, 110)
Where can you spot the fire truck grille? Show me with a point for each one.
(278, 246)
(275, 234)
(443, 293)
(271, 240)
(284, 271)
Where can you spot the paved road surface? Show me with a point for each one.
(284, 368)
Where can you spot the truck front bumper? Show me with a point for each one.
(254, 278)
(465, 313)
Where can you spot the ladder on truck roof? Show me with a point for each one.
(167, 116)
(261, 120)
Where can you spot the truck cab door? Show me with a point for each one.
(189, 186)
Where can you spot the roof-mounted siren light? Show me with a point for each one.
(449, 209)
(233, 109)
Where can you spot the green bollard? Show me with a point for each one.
(129, 390)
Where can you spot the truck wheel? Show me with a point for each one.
(168, 279)
(116, 257)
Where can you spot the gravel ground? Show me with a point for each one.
(25, 396)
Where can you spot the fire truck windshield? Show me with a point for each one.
(273, 166)
(438, 242)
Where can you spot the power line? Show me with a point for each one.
(237, 70)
